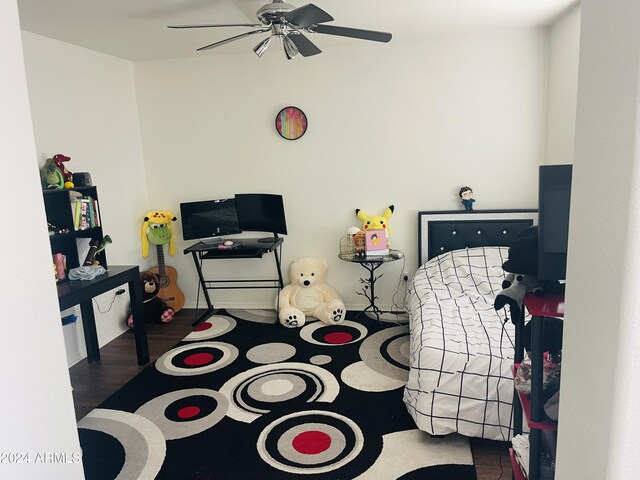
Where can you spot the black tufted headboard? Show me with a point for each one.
(440, 232)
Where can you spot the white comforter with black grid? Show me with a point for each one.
(461, 348)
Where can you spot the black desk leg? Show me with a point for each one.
(279, 267)
(139, 325)
(205, 292)
(89, 329)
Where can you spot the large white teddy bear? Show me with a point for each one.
(308, 294)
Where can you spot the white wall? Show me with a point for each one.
(83, 105)
(564, 46)
(37, 410)
(401, 123)
(599, 417)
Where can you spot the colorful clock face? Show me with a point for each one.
(291, 123)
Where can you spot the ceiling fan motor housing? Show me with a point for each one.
(272, 12)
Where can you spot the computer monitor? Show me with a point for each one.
(209, 220)
(261, 212)
(554, 200)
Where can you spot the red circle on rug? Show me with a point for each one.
(202, 327)
(338, 337)
(311, 442)
(197, 359)
(188, 412)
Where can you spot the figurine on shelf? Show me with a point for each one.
(466, 194)
(51, 176)
(59, 160)
(359, 243)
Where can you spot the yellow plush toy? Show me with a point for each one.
(376, 222)
(157, 228)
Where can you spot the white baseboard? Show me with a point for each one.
(269, 306)
(116, 332)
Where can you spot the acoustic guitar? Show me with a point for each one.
(170, 293)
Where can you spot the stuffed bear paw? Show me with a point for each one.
(291, 317)
(335, 312)
(167, 315)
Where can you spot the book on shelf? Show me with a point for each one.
(76, 215)
(376, 244)
(96, 212)
(85, 213)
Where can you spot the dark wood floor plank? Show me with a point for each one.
(94, 383)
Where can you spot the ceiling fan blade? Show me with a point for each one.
(305, 46)
(352, 32)
(231, 39)
(218, 25)
(308, 15)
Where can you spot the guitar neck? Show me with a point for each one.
(161, 268)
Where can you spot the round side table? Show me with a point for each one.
(371, 264)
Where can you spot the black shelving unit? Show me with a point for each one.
(60, 216)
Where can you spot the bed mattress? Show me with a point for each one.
(461, 349)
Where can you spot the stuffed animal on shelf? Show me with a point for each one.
(60, 159)
(50, 175)
(466, 198)
(157, 228)
(155, 309)
(308, 294)
(514, 287)
(378, 222)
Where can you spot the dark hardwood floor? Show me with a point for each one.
(92, 384)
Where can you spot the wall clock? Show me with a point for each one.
(291, 123)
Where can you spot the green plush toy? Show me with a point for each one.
(157, 229)
(51, 176)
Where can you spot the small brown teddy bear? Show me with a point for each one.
(155, 309)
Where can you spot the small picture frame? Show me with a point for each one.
(376, 242)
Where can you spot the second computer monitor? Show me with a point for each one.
(261, 212)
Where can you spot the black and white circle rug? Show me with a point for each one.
(240, 399)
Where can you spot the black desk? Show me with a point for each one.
(74, 292)
(249, 248)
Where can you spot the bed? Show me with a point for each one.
(461, 349)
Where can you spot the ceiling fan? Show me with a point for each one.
(289, 23)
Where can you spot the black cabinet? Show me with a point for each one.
(74, 220)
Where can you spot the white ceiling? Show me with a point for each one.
(136, 29)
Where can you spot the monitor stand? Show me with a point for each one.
(273, 239)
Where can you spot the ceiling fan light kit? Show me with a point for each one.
(289, 23)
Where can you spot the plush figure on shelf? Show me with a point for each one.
(308, 294)
(60, 159)
(155, 309)
(157, 228)
(466, 195)
(95, 247)
(359, 243)
(51, 176)
(522, 268)
(514, 287)
(378, 222)
(522, 276)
